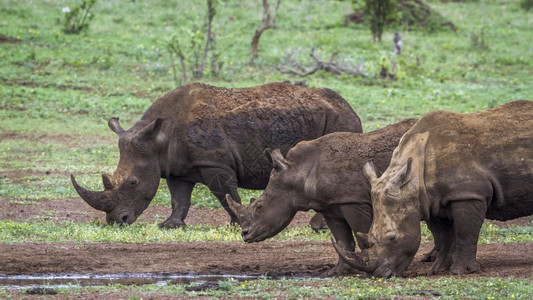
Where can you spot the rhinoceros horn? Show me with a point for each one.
(352, 258)
(106, 179)
(115, 126)
(366, 241)
(238, 209)
(97, 200)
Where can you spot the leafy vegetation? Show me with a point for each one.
(331, 288)
(68, 231)
(78, 17)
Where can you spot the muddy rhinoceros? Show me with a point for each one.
(215, 136)
(324, 175)
(453, 171)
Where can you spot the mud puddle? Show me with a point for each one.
(54, 281)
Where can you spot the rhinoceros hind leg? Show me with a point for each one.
(430, 256)
(221, 183)
(317, 222)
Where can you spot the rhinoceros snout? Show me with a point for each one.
(121, 219)
(244, 235)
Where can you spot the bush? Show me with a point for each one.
(78, 17)
(526, 4)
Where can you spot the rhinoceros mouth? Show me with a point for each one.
(384, 271)
(253, 235)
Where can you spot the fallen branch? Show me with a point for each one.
(290, 66)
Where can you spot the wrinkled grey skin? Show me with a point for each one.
(324, 175)
(452, 171)
(214, 136)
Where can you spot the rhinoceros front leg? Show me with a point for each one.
(344, 238)
(441, 254)
(220, 183)
(180, 193)
(468, 216)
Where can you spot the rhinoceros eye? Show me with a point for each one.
(259, 206)
(133, 181)
(390, 236)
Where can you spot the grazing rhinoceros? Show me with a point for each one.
(324, 175)
(453, 171)
(215, 136)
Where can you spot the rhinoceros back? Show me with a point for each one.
(235, 126)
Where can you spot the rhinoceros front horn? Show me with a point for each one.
(238, 209)
(352, 258)
(97, 200)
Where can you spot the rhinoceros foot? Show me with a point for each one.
(431, 256)
(172, 223)
(462, 268)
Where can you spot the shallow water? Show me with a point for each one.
(51, 281)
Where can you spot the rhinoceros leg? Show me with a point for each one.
(317, 222)
(222, 182)
(468, 216)
(180, 193)
(344, 238)
(359, 217)
(442, 231)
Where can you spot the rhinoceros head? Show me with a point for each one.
(394, 236)
(130, 189)
(267, 215)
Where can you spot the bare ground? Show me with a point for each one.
(267, 258)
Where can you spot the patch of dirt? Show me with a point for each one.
(274, 258)
(67, 140)
(8, 39)
(76, 210)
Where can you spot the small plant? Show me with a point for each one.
(479, 39)
(198, 51)
(77, 17)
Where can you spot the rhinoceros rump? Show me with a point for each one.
(215, 136)
(324, 175)
(453, 171)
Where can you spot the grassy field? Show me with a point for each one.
(57, 92)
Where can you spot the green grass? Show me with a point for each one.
(67, 231)
(332, 288)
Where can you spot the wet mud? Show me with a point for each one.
(295, 258)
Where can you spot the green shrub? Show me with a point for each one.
(77, 17)
(526, 4)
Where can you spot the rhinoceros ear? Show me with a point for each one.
(369, 170)
(278, 162)
(401, 178)
(149, 132)
(115, 126)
